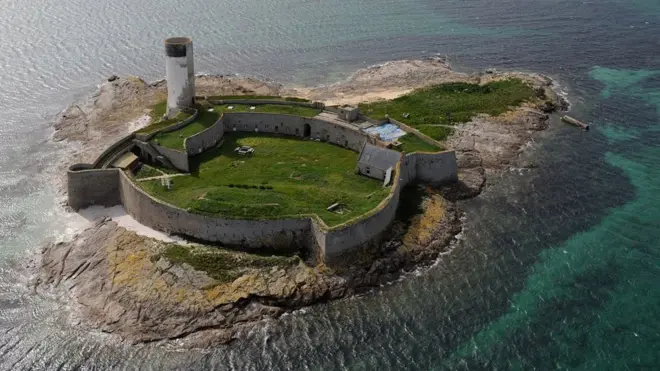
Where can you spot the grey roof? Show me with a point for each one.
(377, 157)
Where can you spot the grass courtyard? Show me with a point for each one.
(205, 119)
(285, 177)
(412, 143)
(433, 110)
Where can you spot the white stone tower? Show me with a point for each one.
(180, 72)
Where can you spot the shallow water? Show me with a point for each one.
(556, 267)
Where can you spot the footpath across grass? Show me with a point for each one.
(449, 104)
(285, 177)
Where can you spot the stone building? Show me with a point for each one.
(375, 162)
(349, 113)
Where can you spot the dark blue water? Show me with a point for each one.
(557, 267)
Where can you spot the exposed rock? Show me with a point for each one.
(113, 78)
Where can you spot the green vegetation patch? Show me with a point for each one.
(256, 97)
(270, 108)
(452, 103)
(222, 264)
(157, 123)
(412, 143)
(285, 177)
(205, 119)
(175, 139)
(147, 171)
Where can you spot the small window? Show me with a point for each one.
(368, 170)
(277, 129)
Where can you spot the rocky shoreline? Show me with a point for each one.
(124, 284)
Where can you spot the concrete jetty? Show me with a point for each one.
(575, 122)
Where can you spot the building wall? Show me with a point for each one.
(110, 151)
(370, 229)
(349, 113)
(206, 139)
(372, 173)
(295, 126)
(436, 167)
(411, 130)
(178, 158)
(88, 187)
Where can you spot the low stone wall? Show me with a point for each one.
(88, 187)
(206, 139)
(342, 136)
(411, 130)
(178, 158)
(370, 228)
(436, 168)
(256, 102)
(145, 137)
(110, 150)
(183, 123)
(283, 234)
(367, 229)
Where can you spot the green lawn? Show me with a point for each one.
(270, 108)
(412, 143)
(174, 139)
(286, 176)
(205, 119)
(429, 106)
(157, 112)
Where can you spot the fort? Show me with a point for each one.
(192, 133)
(285, 196)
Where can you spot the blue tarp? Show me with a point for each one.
(388, 132)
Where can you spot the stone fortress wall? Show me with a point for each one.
(178, 158)
(205, 139)
(87, 186)
(107, 187)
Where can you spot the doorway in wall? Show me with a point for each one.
(307, 131)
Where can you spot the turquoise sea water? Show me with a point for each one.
(557, 266)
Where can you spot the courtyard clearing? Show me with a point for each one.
(285, 177)
(208, 116)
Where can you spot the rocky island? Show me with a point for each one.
(349, 186)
